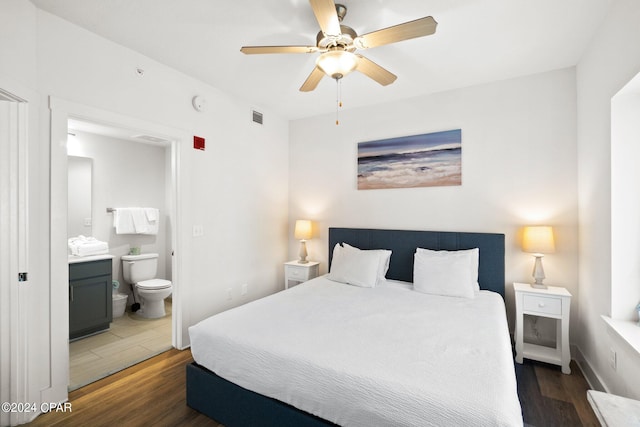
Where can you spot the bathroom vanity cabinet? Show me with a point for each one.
(90, 299)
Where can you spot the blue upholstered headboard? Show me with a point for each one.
(403, 244)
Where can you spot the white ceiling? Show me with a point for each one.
(477, 41)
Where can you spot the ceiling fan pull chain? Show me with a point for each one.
(338, 100)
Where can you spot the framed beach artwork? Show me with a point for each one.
(427, 160)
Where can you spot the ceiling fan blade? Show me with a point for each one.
(409, 30)
(327, 17)
(312, 81)
(374, 71)
(251, 50)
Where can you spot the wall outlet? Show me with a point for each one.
(244, 288)
(229, 294)
(612, 358)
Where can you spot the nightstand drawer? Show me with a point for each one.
(540, 304)
(297, 273)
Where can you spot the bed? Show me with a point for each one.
(325, 353)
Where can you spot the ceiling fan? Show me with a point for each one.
(337, 43)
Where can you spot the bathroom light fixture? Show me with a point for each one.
(538, 240)
(303, 233)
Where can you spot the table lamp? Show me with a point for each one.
(303, 233)
(538, 240)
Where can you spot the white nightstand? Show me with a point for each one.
(553, 302)
(298, 273)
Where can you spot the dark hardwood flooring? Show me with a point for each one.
(152, 393)
(550, 398)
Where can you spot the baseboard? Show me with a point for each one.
(593, 379)
(589, 374)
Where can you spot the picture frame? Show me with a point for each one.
(426, 160)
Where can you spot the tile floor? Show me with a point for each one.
(129, 340)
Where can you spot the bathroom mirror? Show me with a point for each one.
(79, 196)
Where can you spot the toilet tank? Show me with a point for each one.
(136, 268)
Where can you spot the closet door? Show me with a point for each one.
(13, 256)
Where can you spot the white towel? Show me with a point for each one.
(151, 220)
(85, 246)
(140, 222)
(136, 221)
(152, 228)
(144, 223)
(152, 214)
(123, 221)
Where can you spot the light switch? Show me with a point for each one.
(198, 231)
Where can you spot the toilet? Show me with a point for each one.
(140, 271)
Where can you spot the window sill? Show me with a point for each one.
(628, 330)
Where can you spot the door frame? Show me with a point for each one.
(60, 112)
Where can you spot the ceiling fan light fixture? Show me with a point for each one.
(337, 63)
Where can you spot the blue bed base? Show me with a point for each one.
(234, 406)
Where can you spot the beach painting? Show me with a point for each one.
(427, 160)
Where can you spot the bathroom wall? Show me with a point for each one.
(126, 174)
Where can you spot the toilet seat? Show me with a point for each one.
(153, 284)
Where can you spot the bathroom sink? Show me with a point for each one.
(74, 259)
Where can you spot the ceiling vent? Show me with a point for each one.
(256, 116)
(152, 139)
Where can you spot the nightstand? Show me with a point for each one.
(554, 303)
(298, 273)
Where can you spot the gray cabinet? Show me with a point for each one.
(90, 299)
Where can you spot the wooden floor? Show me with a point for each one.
(550, 398)
(152, 393)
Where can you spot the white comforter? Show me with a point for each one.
(384, 356)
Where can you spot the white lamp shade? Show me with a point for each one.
(538, 240)
(303, 229)
(337, 63)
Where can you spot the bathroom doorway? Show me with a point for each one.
(111, 168)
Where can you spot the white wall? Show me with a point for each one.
(18, 42)
(518, 168)
(625, 204)
(609, 63)
(127, 174)
(237, 189)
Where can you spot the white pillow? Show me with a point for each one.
(475, 262)
(355, 267)
(383, 263)
(443, 273)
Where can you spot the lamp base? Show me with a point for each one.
(303, 253)
(538, 273)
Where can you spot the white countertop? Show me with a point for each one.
(75, 259)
